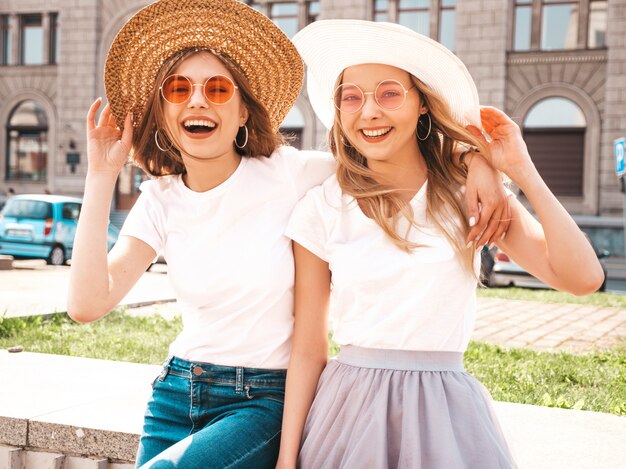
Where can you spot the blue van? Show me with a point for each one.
(34, 226)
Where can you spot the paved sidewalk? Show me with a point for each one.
(33, 288)
(549, 326)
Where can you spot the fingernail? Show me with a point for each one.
(468, 245)
(472, 221)
(491, 245)
(503, 235)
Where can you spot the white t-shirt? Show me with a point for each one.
(228, 258)
(382, 296)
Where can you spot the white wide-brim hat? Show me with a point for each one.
(328, 47)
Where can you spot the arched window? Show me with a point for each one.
(27, 142)
(292, 126)
(554, 130)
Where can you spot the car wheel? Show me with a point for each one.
(57, 256)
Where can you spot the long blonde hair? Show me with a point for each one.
(445, 205)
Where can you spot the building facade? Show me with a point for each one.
(558, 67)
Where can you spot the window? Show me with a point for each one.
(26, 208)
(415, 14)
(447, 24)
(554, 130)
(32, 40)
(285, 15)
(55, 39)
(312, 11)
(596, 33)
(5, 40)
(70, 211)
(561, 26)
(419, 15)
(381, 8)
(523, 15)
(27, 142)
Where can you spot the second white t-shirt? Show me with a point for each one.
(382, 296)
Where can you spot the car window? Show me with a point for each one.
(70, 211)
(24, 208)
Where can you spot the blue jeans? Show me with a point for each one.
(209, 416)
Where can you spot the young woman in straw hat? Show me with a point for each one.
(200, 88)
(389, 230)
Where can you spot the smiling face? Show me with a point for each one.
(380, 134)
(198, 126)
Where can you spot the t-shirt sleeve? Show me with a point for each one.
(307, 225)
(307, 169)
(144, 220)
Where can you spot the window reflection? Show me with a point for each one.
(559, 26)
(598, 18)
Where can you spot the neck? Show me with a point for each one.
(204, 174)
(406, 171)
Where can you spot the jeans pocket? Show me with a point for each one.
(161, 376)
(276, 394)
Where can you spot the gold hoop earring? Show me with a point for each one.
(245, 142)
(156, 140)
(429, 127)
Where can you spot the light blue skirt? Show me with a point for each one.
(380, 409)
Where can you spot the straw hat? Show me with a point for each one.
(262, 51)
(330, 46)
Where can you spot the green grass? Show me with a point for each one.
(592, 381)
(552, 296)
(118, 336)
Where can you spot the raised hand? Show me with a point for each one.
(507, 150)
(107, 146)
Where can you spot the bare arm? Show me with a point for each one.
(99, 281)
(553, 249)
(310, 349)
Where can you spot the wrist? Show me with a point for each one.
(468, 157)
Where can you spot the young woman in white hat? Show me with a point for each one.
(388, 230)
(208, 83)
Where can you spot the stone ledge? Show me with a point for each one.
(67, 412)
(72, 406)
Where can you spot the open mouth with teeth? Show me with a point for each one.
(199, 127)
(372, 135)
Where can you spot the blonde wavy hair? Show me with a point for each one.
(385, 205)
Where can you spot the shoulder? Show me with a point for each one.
(159, 189)
(326, 195)
(296, 159)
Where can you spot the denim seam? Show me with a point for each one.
(193, 424)
(249, 453)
